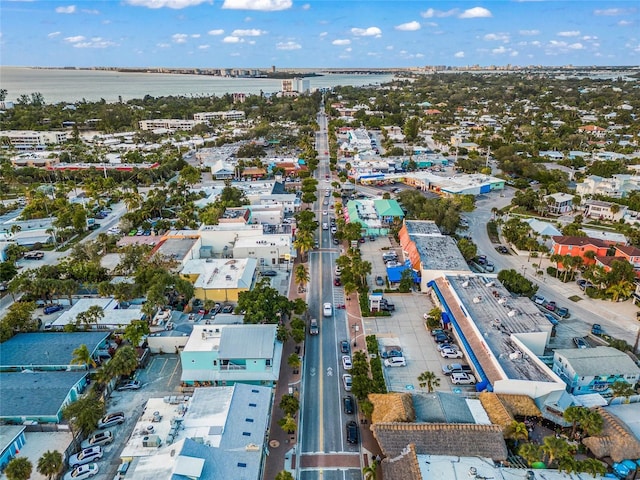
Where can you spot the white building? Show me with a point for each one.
(169, 124)
(618, 186)
(224, 115)
(33, 140)
(297, 85)
(115, 316)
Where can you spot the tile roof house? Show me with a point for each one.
(578, 246)
(630, 253)
(405, 466)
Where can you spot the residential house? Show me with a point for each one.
(594, 370)
(593, 130)
(578, 246)
(220, 279)
(552, 154)
(227, 354)
(222, 170)
(604, 210)
(559, 203)
(629, 253)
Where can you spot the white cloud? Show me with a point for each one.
(589, 37)
(261, 5)
(323, 34)
(231, 39)
(306, 6)
(367, 32)
(179, 37)
(67, 9)
(571, 33)
(195, 35)
(288, 46)
(624, 23)
(431, 13)
(174, 4)
(576, 46)
(341, 41)
(91, 12)
(497, 37)
(476, 12)
(536, 43)
(75, 39)
(217, 31)
(203, 47)
(54, 34)
(252, 32)
(431, 24)
(614, 12)
(459, 54)
(163, 45)
(408, 27)
(529, 32)
(502, 50)
(95, 42)
(348, 49)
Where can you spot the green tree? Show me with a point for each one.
(370, 471)
(592, 466)
(190, 175)
(301, 275)
(568, 464)
(82, 356)
(554, 448)
(293, 361)
(288, 424)
(19, 468)
(124, 362)
(620, 388)
(90, 316)
(83, 414)
(289, 404)
(574, 414)
(135, 331)
(7, 271)
(592, 423)
(429, 380)
(517, 431)
(530, 452)
(467, 248)
(263, 304)
(284, 475)
(50, 463)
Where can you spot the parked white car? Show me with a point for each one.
(85, 456)
(347, 381)
(463, 379)
(395, 362)
(346, 362)
(450, 353)
(82, 472)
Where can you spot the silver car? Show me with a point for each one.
(85, 456)
(98, 439)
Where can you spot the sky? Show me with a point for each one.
(318, 33)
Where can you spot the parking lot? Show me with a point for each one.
(405, 328)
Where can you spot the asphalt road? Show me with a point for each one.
(322, 426)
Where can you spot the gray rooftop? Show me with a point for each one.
(51, 348)
(422, 227)
(36, 394)
(498, 315)
(587, 362)
(247, 341)
(442, 407)
(440, 253)
(176, 248)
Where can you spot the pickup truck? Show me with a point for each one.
(456, 368)
(597, 329)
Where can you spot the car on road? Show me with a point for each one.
(450, 353)
(98, 439)
(81, 472)
(538, 299)
(596, 329)
(379, 281)
(269, 273)
(131, 385)
(391, 353)
(552, 320)
(49, 309)
(562, 312)
(325, 226)
(463, 378)
(395, 362)
(346, 362)
(347, 381)
(85, 456)
(551, 306)
(502, 249)
(336, 241)
(110, 420)
(450, 368)
(334, 230)
(387, 306)
(344, 346)
(580, 342)
(442, 338)
(352, 432)
(327, 309)
(347, 402)
(313, 327)
(337, 282)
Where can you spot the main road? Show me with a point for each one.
(323, 450)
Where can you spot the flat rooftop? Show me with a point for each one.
(214, 273)
(422, 227)
(114, 315)
(440, 253)
(176, 248)
(283, 241)
(497, 315)
(231, 341)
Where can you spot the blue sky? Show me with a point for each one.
(318, 33)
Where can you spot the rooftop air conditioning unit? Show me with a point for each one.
(502, 301)
(151, 441)
(465, 284)
(512, 313)
(477, 299)
(490, 284)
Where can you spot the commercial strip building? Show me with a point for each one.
(220, 280)
(34, 140)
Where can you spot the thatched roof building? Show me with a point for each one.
(498, 413)
(520, 405)
(615, 441)
(392, 407)
(464, 440)
(403, 467)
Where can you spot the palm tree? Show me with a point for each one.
(50, 463)
(124, 361)
(301, 276)
(369, 472)
(288, 424)
(554, 448)
(19, 468)
(82, 356)
(568, 464)
(620, 388)
(592, 466)
(304, 242)
(573, 414)
(429, 380)
(592, 423)
(530, 452)
(556, 258)
(517, 431)
(284, 475)
(84, 413)
(622, 289)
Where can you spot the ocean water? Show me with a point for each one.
(92, 85)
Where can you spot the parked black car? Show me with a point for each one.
(352, 432)
(348, 404)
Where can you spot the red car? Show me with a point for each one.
(203, 311)
(336, 282)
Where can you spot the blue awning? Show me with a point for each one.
(395, 274)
